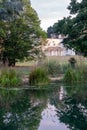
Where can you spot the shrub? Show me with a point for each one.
(73, 75)
(70, 76)
(38, 77)
(9, 78)
(72, 62)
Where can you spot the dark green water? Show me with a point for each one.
(62, 108)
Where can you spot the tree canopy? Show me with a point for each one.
(20, 32)
(74, 28)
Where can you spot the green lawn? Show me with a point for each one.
(59, 59)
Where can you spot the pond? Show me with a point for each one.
(61, 108)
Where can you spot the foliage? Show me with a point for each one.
(70, 76)
(50, 31)
(20, 31)
(63, 26)
(75, 75)
(38, 77)
(72, 62)
(74, 28)
(77, 37)
(83, 71)
(9, 78)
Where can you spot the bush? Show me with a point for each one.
(73, 76)
(72, 62)
(70, 76)
(9, 78)
(38, 77)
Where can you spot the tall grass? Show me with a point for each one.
(70, 76)
(83, 71)
(38, 77)
(9, 78)
(76, 75)
(53, 68)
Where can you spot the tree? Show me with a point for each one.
(77, 37)
(74, 28)
(63, 26)
(50, 32)
(21, 32)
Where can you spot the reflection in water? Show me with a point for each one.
(50, 120)
(20, 112)
(74, 110)
(62, 93)
(64, 108)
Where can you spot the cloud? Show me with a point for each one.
(50, 11)
(47, 22)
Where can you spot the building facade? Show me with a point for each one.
(54, 47)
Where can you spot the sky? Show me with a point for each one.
(50, 11)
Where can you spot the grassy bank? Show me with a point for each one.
(56, 68)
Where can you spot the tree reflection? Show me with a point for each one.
(20, 110)
(72, 110)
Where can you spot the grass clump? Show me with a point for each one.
(74, 76)
(38, 77)
(9, 78)
(70, 76)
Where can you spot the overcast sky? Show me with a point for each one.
(50, 11)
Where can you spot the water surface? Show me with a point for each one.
(61, 108)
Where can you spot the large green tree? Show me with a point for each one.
(77, 37)
(74, 28)
(20, 32)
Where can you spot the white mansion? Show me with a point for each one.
(54, 47)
